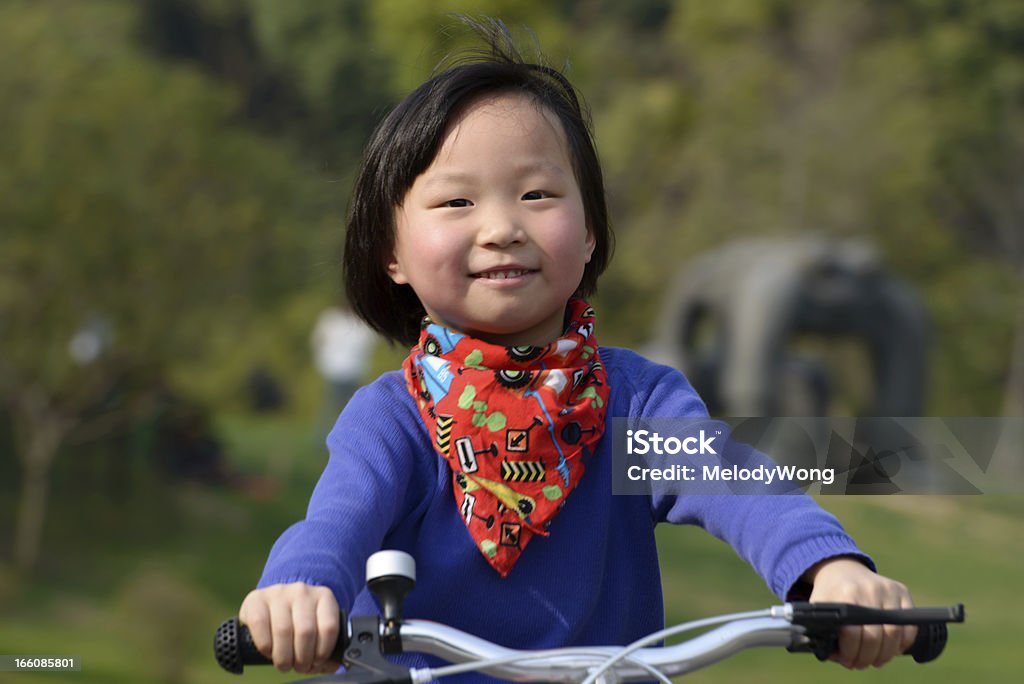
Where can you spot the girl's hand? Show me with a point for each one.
(844, 580)
(295, 625)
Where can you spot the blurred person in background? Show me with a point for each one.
(342, 347)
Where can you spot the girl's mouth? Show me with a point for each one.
(503, 275)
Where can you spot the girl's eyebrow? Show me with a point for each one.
(538, 166)
(448, 177)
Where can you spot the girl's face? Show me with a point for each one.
(492, 237)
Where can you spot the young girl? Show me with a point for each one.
(477, 226)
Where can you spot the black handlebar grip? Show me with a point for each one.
(234, 648)
(931, 639)
(823, 620)
(831, 614)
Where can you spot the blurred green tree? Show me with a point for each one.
(975, 52)
(738, 118)
(308, 71)
(133, 209)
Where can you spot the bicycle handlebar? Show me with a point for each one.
(800, 627)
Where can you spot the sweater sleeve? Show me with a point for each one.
(781, 536)
(372, 480)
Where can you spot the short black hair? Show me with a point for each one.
(405, 143)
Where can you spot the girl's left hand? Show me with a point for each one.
(845, 580)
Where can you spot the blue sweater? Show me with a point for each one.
(593, 580)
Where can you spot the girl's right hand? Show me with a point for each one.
(295, 625)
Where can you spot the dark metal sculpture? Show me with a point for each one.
(731, 314)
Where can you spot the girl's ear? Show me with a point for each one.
(396, 273)
(589, 244)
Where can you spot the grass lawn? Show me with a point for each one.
(946, 549)
(135, 582)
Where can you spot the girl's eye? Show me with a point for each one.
(458, 203)
(535, 195)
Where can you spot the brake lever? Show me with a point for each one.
(822, 643)
(364, 658)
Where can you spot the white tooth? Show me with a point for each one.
(504, 275)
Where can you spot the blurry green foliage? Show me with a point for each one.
(181, 168)
(130, 192)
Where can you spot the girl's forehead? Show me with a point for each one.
(500, 104)
(508, 115)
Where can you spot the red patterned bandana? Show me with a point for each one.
(514, 423)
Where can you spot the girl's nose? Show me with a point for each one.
(501, 228)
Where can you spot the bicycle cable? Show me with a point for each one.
(420, 676)
(672, 631)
